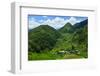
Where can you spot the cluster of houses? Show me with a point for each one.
(68, 52)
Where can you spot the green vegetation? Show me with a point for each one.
(68, 42)
(42, 38)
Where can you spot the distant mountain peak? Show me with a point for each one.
(66, 28)
(44, 25)
(68, 23)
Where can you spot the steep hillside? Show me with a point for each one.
(42, 38)
(73, 38)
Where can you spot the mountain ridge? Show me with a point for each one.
(70, 37)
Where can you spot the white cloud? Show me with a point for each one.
(73, 20)
(33, 23)
(41, 21)
(56, 23)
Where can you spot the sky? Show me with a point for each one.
(53, 21)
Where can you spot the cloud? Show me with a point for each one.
(41, 21)
(33, 23)
(73, 20)
(56, 22)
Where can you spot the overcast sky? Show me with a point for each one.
(54, 21)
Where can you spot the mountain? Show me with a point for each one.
(81, 24)
(45, 38)
(81, 31)
(42, 38)
(80, 40)
(67, 28)
(73, 38)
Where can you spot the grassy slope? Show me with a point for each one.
(51, 56)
